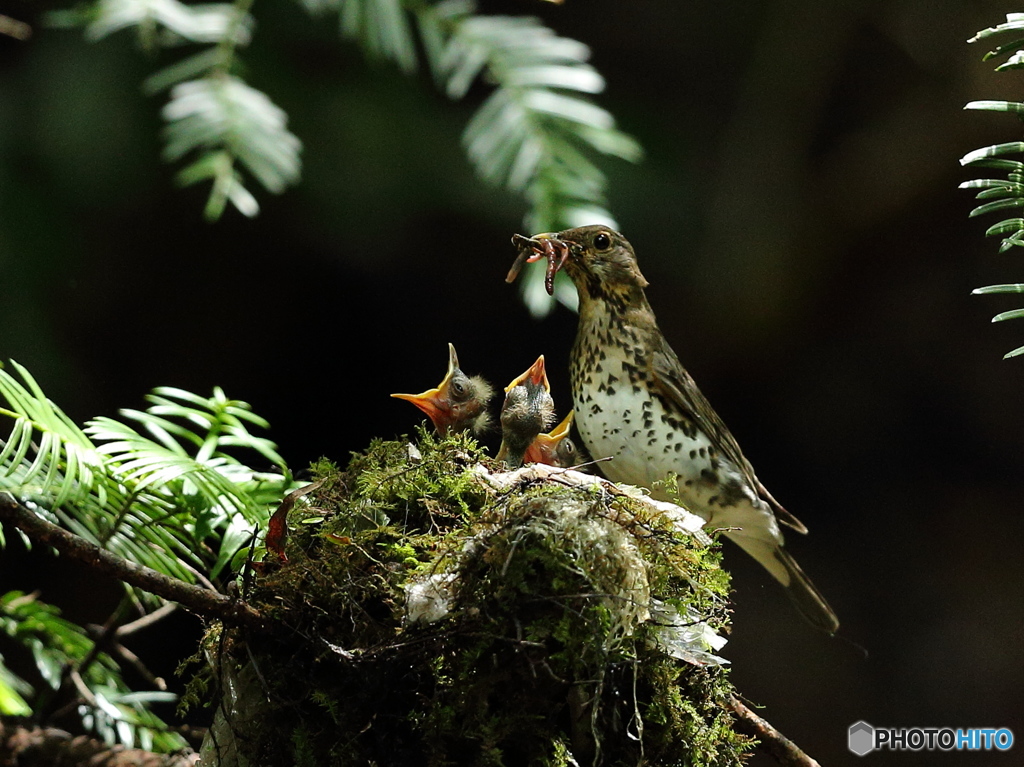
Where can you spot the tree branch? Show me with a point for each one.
(785, 751)
(19, 30)
(48, 746)
(199, 600)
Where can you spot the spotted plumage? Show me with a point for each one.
(636, 405)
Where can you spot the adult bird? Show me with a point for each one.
(637, 405)
(458, 403)
(528, 410)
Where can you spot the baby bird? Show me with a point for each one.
(556, 448)
(458, 403)
(528, 410)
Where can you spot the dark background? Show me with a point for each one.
(810, 259)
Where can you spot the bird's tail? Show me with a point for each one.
(805, 595)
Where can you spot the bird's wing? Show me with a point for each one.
(679, 388)
(781, 514)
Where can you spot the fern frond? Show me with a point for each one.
(12, 691)
(165, 488)
(152, 496)
(530, 134)
(383, 28)
(224, 124)
(201, 23)
(1010, 288)
(186, 451)
(998, 194)
(45, 451)
(537, 133)
(224, 120)
(111, 710)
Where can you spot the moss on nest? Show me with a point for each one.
(434, 617)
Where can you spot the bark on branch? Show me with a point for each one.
(48, 746)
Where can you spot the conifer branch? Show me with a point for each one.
(1002, 195)
(201, 601)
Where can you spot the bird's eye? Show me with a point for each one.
(458, 388)
(602, 241)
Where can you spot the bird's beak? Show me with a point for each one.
(543, 446)
(562, 430)
(453, 360)
(434, 402)
(535, 375)
(545, 236)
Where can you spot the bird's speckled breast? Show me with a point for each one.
(619, 417)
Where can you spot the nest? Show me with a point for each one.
(436, 611)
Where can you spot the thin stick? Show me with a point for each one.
(784, 750)
(146, 620)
